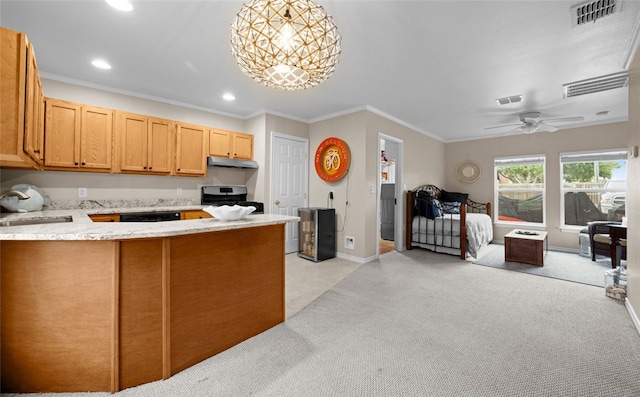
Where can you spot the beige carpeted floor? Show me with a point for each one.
(417, 323)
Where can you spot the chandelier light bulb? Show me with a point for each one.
(289, 45)
(285, 39)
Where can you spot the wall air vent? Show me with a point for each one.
(596, 84)
(592, 11)
(509, 99)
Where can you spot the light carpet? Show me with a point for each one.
(561, 265)
(418, 323)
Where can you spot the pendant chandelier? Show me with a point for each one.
(289, 45)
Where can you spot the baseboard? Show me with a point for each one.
(351, 258)
(632, 313)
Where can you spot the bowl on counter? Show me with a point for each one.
(229, 213)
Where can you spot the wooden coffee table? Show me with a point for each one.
(525, 246)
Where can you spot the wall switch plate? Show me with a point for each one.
(372, 189)
(82, 192)
(179, 191)
(349, 243)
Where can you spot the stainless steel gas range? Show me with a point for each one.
(228, 195)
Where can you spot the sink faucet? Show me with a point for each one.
(15, 193)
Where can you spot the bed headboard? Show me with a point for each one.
(431, 190)
(436, 192)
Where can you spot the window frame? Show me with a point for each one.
(520, 160)
(585, 156)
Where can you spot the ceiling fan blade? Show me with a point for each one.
(502, 126)
(565, 119)
(546, 127)
(520, 128)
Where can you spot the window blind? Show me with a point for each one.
(619, 154)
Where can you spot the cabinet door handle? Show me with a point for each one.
(75, 163)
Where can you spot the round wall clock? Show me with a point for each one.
(468, 172)
(332, 159)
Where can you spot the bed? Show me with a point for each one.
(447, 222)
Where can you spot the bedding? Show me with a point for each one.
(434, 222)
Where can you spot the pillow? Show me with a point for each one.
(452, 197)
(436, 208)
(423, 201)
(451, 207)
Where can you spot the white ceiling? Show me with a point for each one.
(435, 66)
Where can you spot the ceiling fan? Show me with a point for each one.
(531, 122)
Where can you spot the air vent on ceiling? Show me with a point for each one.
(592, 11)
(596, 84)
(509, 99)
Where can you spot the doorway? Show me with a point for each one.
(289, 170)
(390, 187)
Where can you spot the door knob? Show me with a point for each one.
(277, 202)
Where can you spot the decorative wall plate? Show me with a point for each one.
(468, 172)
(332, 159)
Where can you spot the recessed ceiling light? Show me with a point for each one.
(228, 97)
(101, 64)
(122, 5)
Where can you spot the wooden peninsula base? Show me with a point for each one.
(108, 315)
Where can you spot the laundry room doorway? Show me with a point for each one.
(390, 205)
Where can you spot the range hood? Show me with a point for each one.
(230, 163)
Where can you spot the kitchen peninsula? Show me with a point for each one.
(106, 306)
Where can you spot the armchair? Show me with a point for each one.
(600, 247)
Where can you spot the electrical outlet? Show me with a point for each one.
(331, 194)
(179, 191)
(349, 243)
(82, 192)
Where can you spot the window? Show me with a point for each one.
(594, 187)
(520, 190)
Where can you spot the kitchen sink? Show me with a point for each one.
(36, 221)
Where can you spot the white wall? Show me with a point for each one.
(483, 152)
(633, 192)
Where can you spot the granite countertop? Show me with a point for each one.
(82, 228)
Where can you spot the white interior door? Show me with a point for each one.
(289, 172)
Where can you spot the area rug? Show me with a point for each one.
(560, 265)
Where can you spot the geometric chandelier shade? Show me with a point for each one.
(289, 45)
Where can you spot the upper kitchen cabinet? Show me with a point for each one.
(21, 120)
(192, 145)
(230, 144)
(78, 137)
(144, 144)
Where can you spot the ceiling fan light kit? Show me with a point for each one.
(289, 45)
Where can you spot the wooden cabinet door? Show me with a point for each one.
(14, 151)
(105, 217)
(97, 138)
(219, 143)
(131, 131)
(242, 146)
(62, 132)
(194, 214)
(160, 145)
(34, 116)
(192, 142)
